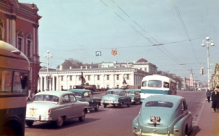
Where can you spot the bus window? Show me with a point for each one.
(144, 83)
(154, 83)
(166, 85)
(6, 81)
(20, 82)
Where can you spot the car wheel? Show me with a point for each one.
(134, 103)
(128, 105)
(29, 123)
(120, 105)
(60, 122)
(104, 105)
(97, 108)
(82, 118)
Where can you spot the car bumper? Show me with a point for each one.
(40, 118)
(153, 134)
(109, 102)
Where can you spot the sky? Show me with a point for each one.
(167, 33)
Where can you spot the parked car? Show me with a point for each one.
(116, 97)
(164, 115)
(135, 95)
(85, 95)
(56, 107)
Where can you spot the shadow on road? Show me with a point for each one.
(67, 124)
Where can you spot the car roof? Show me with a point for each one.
(79, 90)
(132, 90)
(118, 90)
(56, 93)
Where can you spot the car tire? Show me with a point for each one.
(120, 105)
(59, 122)
(82, 118)
(128, 105)
(29, 123)
(104, 105)
(97, 107)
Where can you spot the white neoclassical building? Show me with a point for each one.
(111, 76)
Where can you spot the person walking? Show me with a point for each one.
(208, 94)
(215, 100)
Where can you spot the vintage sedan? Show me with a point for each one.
(163, 115)
(135, 95)
(116, 97)
(56, 107)
(85, 95)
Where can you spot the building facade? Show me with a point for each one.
(107, 75)
(19, 27)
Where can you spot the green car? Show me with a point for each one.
(116, 97)
(163, 115)
(135, 95)
(85, 95)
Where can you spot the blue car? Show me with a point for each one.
(116, 97)
(135, 95)
(163, 115)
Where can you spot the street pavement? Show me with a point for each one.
(207, 122)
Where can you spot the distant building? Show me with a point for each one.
(19, 27)
(107, 75)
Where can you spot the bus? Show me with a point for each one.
(14, 74)
(157, 84)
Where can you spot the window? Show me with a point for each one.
(127, 76)
(117, 86)
(1, 35)
(98, 86)
(5, 81)
(159, 104)
(86, 94)
(144, 84)
(88, 77)
(117, 77)
(72, 98)
(166, 85)
(19, 46)
(20, 82)
(155, 83)
(65, 99)
(61, 78)
(28, 48)
(70, 87)
(107, 77)
(70, 78)
(98, 77)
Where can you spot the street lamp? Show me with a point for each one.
(47, 55)
(208, 41)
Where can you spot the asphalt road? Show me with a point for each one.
(110, 121)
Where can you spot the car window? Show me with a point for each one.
(86, 94)
(47, 98)
(72, 98)
(129, 92)
(159, 104)
(65, 99)
(166, 85)
(137, 93)
(78, 94)
(113, 92)
(144, 84)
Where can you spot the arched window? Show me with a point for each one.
(20, 41)
(29, 46)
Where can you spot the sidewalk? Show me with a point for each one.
(207, 123)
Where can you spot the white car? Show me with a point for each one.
(56, 107)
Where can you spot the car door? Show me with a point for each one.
(67, 106)
(127, 98)
(76, 107)
(123, 97)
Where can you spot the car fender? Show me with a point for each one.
(181, 124)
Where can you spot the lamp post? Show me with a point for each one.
(207, 42)
(47, 55)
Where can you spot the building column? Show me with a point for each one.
(93, 77)
(103, 80)
(7, 30)
(53, 83)
(66, 82)
(13, 31)
(113, 81)
(75, 77)
(41, 83)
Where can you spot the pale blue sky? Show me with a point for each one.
(77, 28)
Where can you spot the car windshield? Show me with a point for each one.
(47, 98)
(155, 83)
(159, 104)
(78, 94)
(113, 92)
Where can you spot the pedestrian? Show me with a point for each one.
(215, 99)
(208, 94)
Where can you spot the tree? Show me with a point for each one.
(71, 63)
